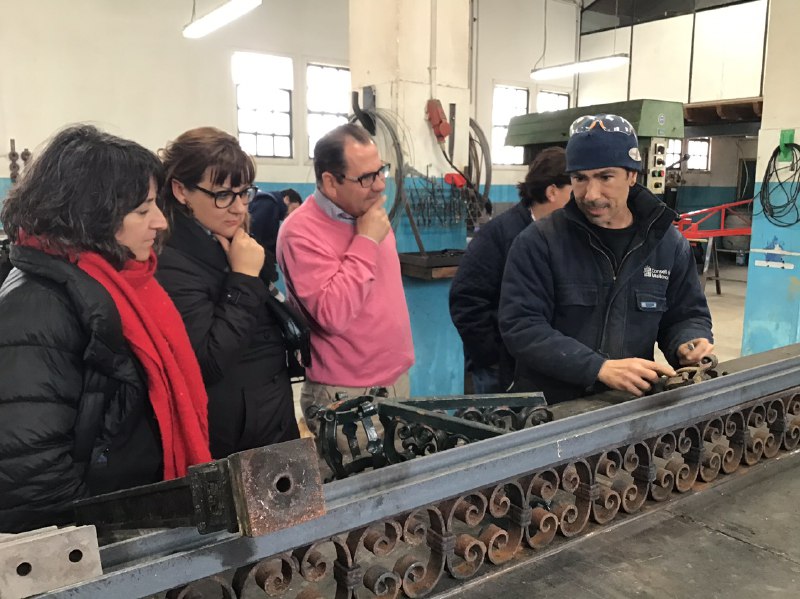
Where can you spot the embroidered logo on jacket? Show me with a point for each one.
(654, 273)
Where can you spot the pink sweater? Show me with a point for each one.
(352, 288)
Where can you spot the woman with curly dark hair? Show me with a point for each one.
(215, 273)
(99, 387)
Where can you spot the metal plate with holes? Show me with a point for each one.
(46, 559)
(277, 488)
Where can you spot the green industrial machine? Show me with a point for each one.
(655, 121)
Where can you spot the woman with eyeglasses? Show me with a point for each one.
(214, 272)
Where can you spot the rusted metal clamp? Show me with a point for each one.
(339, 424)
(690, 375)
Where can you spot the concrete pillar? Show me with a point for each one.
(772, 309)
(411, 51)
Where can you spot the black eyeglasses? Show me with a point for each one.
(369, 179)
(226, 197)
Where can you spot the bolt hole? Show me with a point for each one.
(283, 483)
(75, 556)
(24, 569)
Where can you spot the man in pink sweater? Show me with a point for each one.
(339, 257)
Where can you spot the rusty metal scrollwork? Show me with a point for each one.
(462, 537)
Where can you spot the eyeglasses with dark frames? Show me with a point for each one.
(368, 179)
(226, 197)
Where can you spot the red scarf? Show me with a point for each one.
(153, 328)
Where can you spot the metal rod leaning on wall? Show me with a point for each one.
(13, 160)
(379, 495)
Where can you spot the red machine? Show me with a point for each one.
(689, 223)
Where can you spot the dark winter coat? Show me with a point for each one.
(267, 210)
(75, 419)
(564, 310)
(475, 292)
(236, 340)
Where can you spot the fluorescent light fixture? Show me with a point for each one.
(219, 17)
(583, 66)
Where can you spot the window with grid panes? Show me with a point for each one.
(264, 85)
(507, 102)
(674, 153)
(699, 150)
(550, 101)
(327, 100)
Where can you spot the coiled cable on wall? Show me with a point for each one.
(480, 166)
(476, 203)
(774, 187)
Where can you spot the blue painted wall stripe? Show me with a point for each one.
(772, 306)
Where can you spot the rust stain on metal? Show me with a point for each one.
(276, 487)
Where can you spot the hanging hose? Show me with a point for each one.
(479, 141)
(786, 213)
(399, 168)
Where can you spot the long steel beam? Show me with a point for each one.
(381, 494)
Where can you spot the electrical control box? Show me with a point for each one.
(656, 167)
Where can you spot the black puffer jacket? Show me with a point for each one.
(564, 310)
(236, 340)
(267, 210)
(75, 419)
(475, 292)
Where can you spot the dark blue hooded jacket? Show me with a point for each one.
(475, 292)
(564, 310)
(267, 210)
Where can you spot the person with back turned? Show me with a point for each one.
(475, 292)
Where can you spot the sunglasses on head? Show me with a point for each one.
(606, 122)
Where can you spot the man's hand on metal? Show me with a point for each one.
(633, 375)
(693, 351)
(374, 223)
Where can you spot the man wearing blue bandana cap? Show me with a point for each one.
(589, 291)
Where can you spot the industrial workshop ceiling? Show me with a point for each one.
(740, 116)
(599, 15)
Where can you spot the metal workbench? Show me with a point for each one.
(650, 498)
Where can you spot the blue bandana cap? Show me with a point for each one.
(601, 141)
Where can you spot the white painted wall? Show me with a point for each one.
(126, 67)
(781, 83)
(728, 52)
(605, 86)
(410, 55)
(781, 86)
(724, 62)
(662, 51)
(510, 39)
